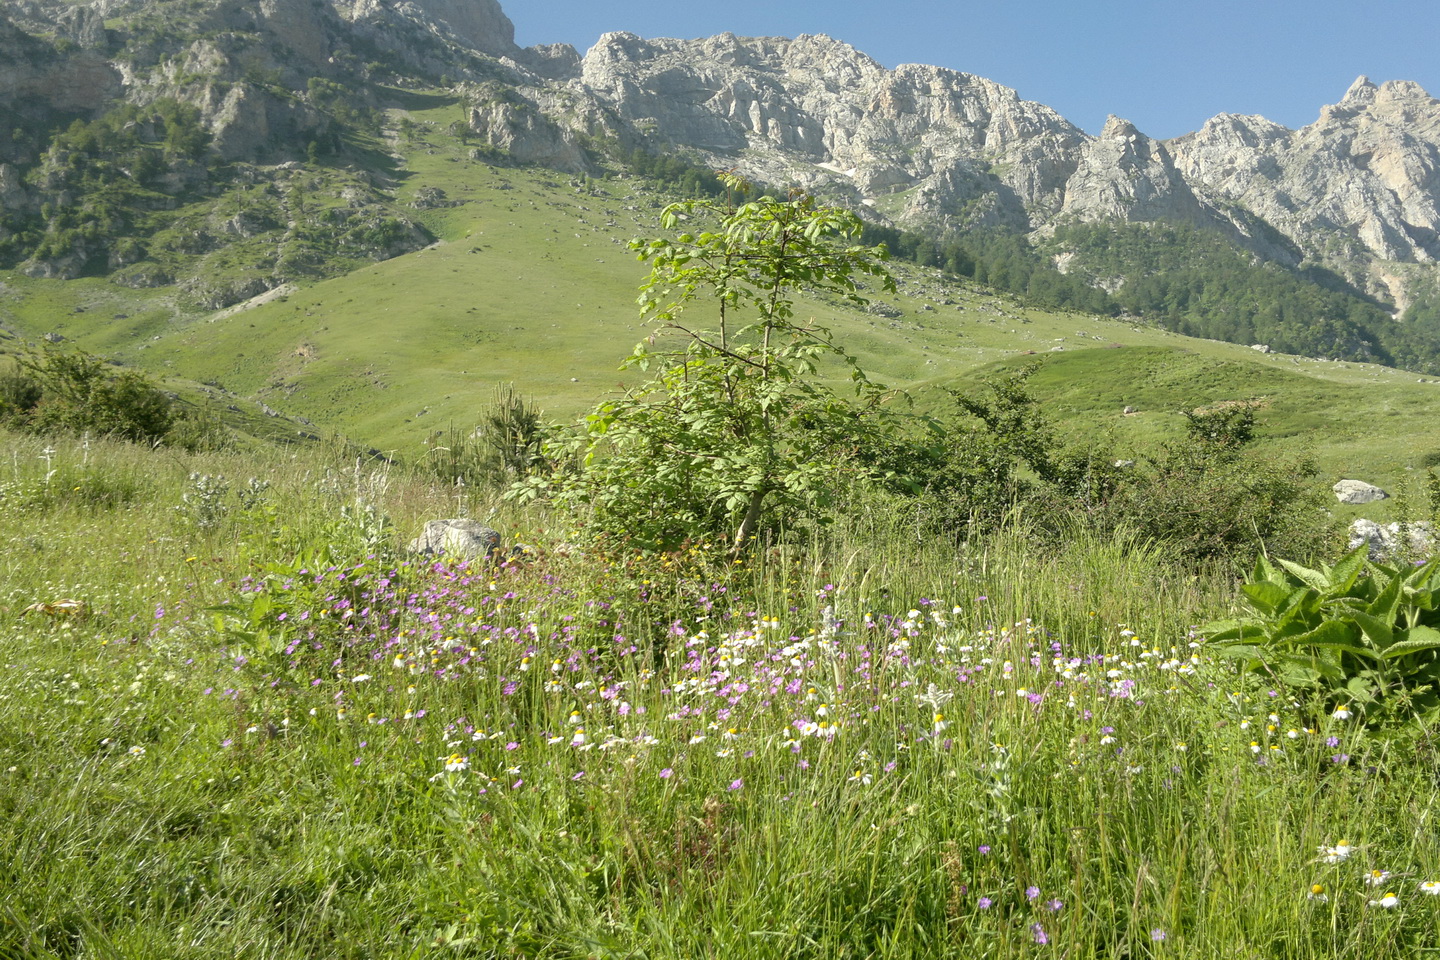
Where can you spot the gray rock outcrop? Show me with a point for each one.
(1389, 540)
(916, 142)
(35, 77)
(1357, 492)
(479, 25)
(1125, 177)
(507, 121)
(468, 539)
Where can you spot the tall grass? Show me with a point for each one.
(864, 744)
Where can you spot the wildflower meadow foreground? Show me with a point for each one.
(243, 742)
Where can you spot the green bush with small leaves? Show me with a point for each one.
(75, 392)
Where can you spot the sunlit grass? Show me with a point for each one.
(864, 744)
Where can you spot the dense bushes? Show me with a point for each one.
(74, 392)
(1211, 498)
(1207, 498)
(737, 436)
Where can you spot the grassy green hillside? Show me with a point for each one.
(531, 283)
(1354, 419)
(239, 718)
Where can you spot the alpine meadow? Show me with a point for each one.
(700, 499)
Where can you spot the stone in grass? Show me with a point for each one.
(456, 538)
(1389, 540)
(1357, 492)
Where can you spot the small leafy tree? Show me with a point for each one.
(735, 430)
(79, 392)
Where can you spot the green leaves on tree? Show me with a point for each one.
(736, 430)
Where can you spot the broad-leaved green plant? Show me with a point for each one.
(1357, 634)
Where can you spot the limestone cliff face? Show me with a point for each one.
(225, 57)
(923, 146)
(478, 25)
(434, 38)
(1362, 181)
(36, 77)
(815, 111)
(304, 29)
(1126, 177)
(508, 121)
(929, 147)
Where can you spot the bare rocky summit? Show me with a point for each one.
(916, 146)
(1357, 190)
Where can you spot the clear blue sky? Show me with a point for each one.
(1165, 65)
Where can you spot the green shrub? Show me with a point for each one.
(199, 430)
(972, 468)
(78, 394)
(1206, 499)
(19, 394)
(505, 447)
(735, 433)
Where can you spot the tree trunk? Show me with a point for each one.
(750, 522)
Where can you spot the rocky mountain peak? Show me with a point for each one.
(1361, 92)
(479, 23)
(479, 26)
(1365, 97)
(619, 45)
(1400, 90)
(1117, 128)
(1248, 130)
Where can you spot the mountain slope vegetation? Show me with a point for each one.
(334, 239)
